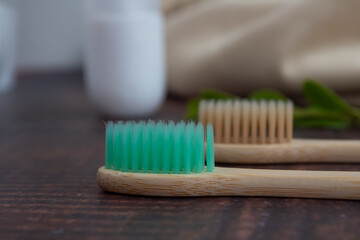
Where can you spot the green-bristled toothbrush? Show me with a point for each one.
(168, 159)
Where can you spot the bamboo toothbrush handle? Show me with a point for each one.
(298, 151)
(236, 182)
(291, 183)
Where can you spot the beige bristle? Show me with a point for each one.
(289, 120)
(210, 112)
(227, 121)
(245, 120)
(218, 126)
(262, 122)
(281, 121)
(202, 112)
(272, 121)
(254, 121)
(236, 121)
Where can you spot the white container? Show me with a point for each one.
(7, 47)
(49, 34)
(124, 56)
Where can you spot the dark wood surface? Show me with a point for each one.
(52, 143)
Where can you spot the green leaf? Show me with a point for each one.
(267, 94)
(312, 117)
(356, 114)
(215, 94)
(323, 97)
(193, 104)
(192, 109)
(322, 123)
(327, 109)
(316, 113)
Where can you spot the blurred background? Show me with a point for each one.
(181, 47)
(68, 65)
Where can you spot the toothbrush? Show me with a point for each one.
(169, 160)
(261, 132)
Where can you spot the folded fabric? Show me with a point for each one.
(242, 45)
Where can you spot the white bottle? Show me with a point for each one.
(125, 65)
(7, 47)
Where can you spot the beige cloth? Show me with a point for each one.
(242, 45)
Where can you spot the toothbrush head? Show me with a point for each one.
(162, 148)
(248, 121)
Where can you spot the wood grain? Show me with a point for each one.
(52, 143)
(235, 182)
(297, 151)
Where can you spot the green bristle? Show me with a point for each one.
(199, 145)
(161, 139)
(193, 145)
(181, 130)
(147, 146)
(203, 152)
(158, 148)
(210, 163)
(166, 150)
(177, 148)
(140, 143)
(126, 151)
(171, 127)
(117, 146)
(188, 154)
(135, 148)
(109, 145)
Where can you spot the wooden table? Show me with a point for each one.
(52, 143)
